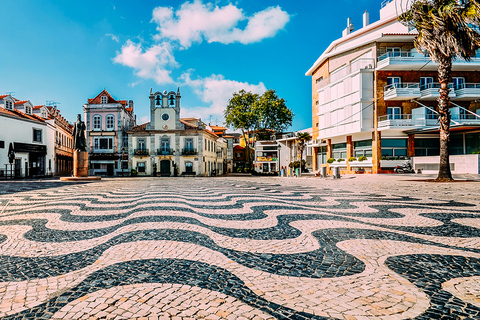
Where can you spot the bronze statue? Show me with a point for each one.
(79, 140)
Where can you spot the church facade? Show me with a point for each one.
(172, 146)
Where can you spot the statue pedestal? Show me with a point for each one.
(80, 168)
(80, 164)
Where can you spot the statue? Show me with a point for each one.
(79, 141)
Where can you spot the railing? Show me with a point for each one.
(414, 56)
(434, 85)
(365, 63)
(189, 152)
(385, 2)
(404, 85)
(406, 120)
(164, 152)
(141, 152)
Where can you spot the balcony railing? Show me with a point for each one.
(406, 120)
(189, 152)
(402, 91)
(414, 58)
(141, 152)
(430, 91)
(164, 152)
(366, 63)
(466, 91)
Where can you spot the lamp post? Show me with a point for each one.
(121, 162)
(278, 158)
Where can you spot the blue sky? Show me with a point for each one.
(68, 51)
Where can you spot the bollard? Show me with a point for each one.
(336, 172)
(323, 172)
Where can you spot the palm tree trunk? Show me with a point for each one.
(444, 74)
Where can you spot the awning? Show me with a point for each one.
(29, 148)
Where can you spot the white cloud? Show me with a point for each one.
(196, 21)
(143, 119)
(112, 36)
(216, 91)
(150, 64)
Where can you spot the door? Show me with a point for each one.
(110, 169)
(165, 167)
(393, 113)
(425, 82)
(18, 168)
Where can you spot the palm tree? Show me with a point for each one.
(302, 139)
(446, 30)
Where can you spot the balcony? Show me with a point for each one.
(406, 121)
(189, 152)
(402, 91)
(341, 73)
(413, 60)
(141, 152)
(429, 91)
(164, 152)
(467, 91)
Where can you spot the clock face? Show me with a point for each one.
(165, 117)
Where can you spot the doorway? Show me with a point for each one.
(109, 169)
(165, 167)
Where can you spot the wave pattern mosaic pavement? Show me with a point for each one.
(227, 248)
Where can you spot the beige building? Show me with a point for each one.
(172, 146)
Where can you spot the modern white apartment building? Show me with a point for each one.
(374, 97)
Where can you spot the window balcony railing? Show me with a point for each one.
(406, 120)
(164, 152)
(411, 59)
(189, 152)
(141, 152)
(402, 91)
(365, 63)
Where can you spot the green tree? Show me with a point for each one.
(240, 115)
(302, 139)
(273, 113)
(446, 30)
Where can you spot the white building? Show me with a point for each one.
(374, 101)
(169, 145)
(31, 137)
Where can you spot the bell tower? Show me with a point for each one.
(164, 110)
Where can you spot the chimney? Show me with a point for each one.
(349, 27)
(365, 19)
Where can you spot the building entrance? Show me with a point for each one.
(165, 167)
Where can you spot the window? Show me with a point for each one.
(110, 122)
(165, 145)
(362, 148)
(394, 147)
(394, 52)
(104, 99)
(28, 110)
(2, 144)
(394, 82)
(425, 82)
(97, 122)
(427, 147)
(103, 143)
(9, 105)
(339, 150)
(458, 83)
(141, 167)
(394, 113)
(37, 135)
(189, 144)
(141, 144)
(125, 141)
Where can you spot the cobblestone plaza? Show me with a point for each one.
(361, 247)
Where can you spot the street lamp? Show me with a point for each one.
(121, 162)
(278, 158)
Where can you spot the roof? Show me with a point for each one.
(18, 114)
(3, 96)
(98, 99)
(20, 102)
(142, 127)
(217, 128)
(238, 148)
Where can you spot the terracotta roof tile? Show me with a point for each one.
(3, 96)
(20, 102)
(142, 127)
(98, 99)
(22, 115)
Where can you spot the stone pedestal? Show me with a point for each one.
(80, 164)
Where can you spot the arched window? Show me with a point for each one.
(97, 122)
(110, 122)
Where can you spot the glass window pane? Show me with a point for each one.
(368, 153)
(362, 144)
(400, 152)
(387, 152)
(394, 143)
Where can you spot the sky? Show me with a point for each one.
(69, 51)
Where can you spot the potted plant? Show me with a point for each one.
(330, 160)
(352, 159)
